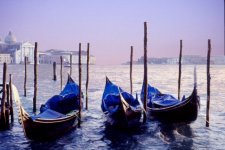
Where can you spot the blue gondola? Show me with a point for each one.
(57, 116)
(120, 108)
(166, 108)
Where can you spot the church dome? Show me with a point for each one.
(10, 38)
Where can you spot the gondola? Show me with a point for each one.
(57, 116)
(166, 108)
(121, 108)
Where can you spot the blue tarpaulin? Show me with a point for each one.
(154, 96)
(48, 114)
(67, 101)
(111, 98)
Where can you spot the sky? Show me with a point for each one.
(113, 26)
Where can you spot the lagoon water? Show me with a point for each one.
(93, 133)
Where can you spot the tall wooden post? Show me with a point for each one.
(25, 76)
(35, 77)
(11, 100)
(80, 93)
(145, 70)
(54, 71)
(179, 76)
(71, 64)
(61, 61)
(3, 117)
(7, 105)
(208, 82)
(131, 65)
(7, 94)
(87, 80)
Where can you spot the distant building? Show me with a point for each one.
(17, 50)
(12, 51)
(193, 59)
(53, 55)
(219, 60)
(5, 58)
(186, 59)
(172, 60)
(158, 60)
(26, 49)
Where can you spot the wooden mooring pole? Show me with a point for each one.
(131, 69)
(179, 76)
(145, 71)
(87, 79)
(3, 109)
(54, 71)
(25, 76)
(71, 64)
(61, 62)
(11, 100)
(7, 111)
(80, 93)
(35, 77)
(208, 82)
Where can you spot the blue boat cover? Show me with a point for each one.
(154, 96)
(66, 101)
(48, 114)
(111, 99)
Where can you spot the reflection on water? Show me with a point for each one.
(94, 134)
(185, 130)
(178, 136)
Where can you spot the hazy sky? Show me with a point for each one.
(112, 26)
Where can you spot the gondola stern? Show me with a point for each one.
(69, 79)
(125, 105)
(107, 80)
(23, 115)
(195, 95)
(24, 119)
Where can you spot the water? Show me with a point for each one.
(93, 133)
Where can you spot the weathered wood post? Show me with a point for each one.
(54, 71)
(208, 82)
(80, 93)
(25, 76)
(145, 70)
(7, 95)
(11, 100)
(87, 79)
(7, 106)
(61, 62)
(3, 115)
(35, 77)
(71, 64)
(131, 65)
(179, 75)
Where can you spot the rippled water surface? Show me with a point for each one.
(93, 133)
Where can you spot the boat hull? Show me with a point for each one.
(121, 108)
(184, 112)
(49, 128)
(124, 119)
